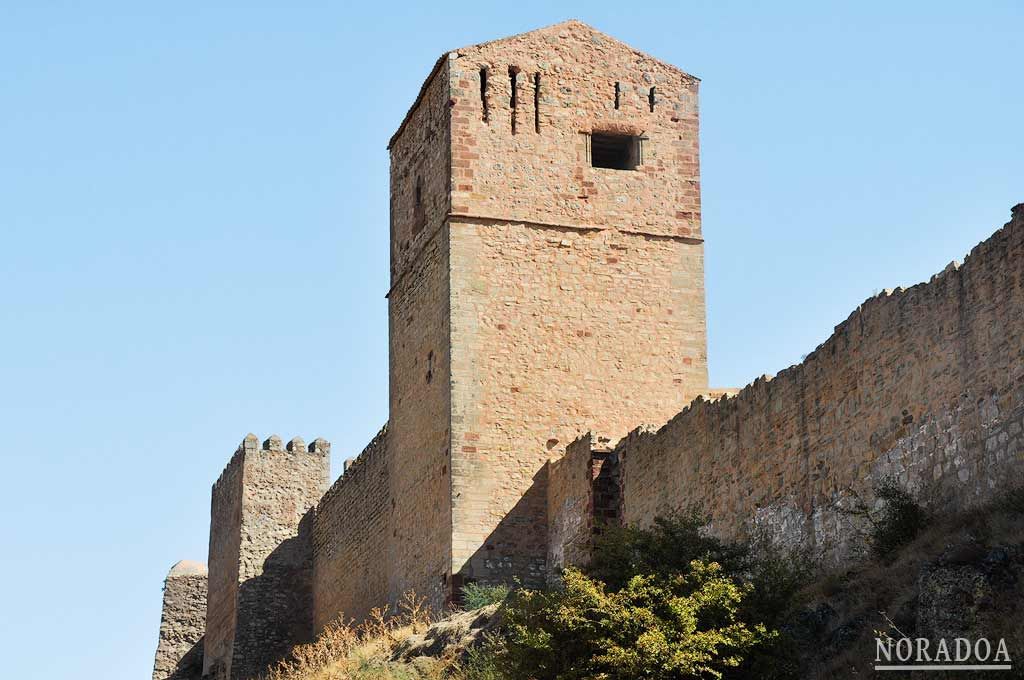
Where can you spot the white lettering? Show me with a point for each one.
(963, 649)
(1001, 653)
(883, 647)
(942, 652)
(903, 653)
(922, 649)
(977, 649)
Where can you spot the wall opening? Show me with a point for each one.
(536, 102)
(483, 92)
(617, 152)
(419, 215)
(513, 78)
(618, 93)
(650, 99)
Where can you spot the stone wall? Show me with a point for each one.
(225, 544)
(560, 332)
(261, 556)
(570, 506)
(351, 534)
(420, 154)
(419, 545)
(179, 652)
(583, 496)
(923, 385)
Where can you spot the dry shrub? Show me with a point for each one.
(344, 651)
(334, 644)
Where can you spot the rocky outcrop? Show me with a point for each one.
(451, 637)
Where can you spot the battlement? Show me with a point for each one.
(923, 384)
(260, 580)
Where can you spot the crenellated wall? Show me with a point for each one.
(351, 535)
(260, 601)
(924, 385)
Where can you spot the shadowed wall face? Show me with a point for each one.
(261, 556)
(179, 652)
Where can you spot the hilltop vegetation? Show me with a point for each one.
(672, 602)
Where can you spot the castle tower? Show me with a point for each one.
(547, 279)
(259, 601)
(179, 651)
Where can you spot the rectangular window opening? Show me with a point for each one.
(536, 102)
(483, 91)
(513, 77)
(617, 152)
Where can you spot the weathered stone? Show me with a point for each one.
(179, 652)
(261, 558)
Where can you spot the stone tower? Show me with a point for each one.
(547, 279)
(179, 651)
(259, 593)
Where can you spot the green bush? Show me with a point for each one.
(666, 548)
(772, 576)
(673, 542)
(475, 596)
(684, 626)
(665, 601)
(898, 522)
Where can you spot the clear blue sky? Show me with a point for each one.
(194, 220)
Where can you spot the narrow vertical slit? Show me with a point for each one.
(483, 91)
(513, 77)
(650, 99)
(536, 102)
(618, 91)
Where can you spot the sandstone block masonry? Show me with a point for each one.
(575, 296)
(179, 651)
(260, 599)
(924, 386)
(352, 535)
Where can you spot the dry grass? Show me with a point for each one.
(344, 651)
(880, 594)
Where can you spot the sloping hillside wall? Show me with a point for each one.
(923, 385)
